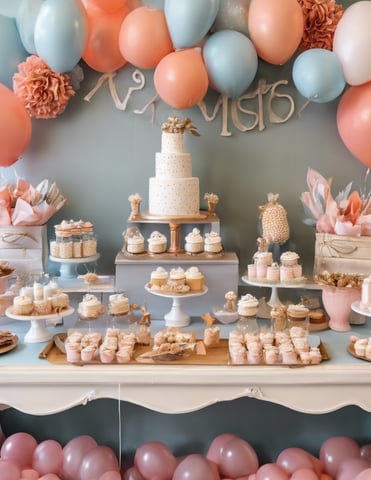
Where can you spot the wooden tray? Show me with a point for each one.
(11, 346)
(215, 356)
(351, 350)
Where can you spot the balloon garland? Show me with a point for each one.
(192, 46)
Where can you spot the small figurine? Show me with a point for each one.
(135, 200)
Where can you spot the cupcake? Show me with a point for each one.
(194, 242)
(118, 304)
(213, 243)
(135, 242)
(177, 276)
(90, 307)
(22, 305)
(248, 305)
(60, 301)
(273, 273)
(194, 279)
(42, 307)
(159, 277)
(157, 242)
(263, 258)
(289, 259)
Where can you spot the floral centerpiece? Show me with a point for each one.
(175, 125)
(348, 213)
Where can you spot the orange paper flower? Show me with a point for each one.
(45, 93)
(320, 21)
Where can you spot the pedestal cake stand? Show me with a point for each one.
(176, 316)
(38, 332)
(69, 265)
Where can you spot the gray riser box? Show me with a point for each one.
(133, 272)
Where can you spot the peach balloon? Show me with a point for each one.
(276, 29)
(102, 51)
(110, 6)
(15, 127)
(181, 78)
(144, 37)
(354, 121)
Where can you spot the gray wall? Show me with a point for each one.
(99, 155)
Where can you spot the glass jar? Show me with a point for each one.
(77, 246)
(89, 244)
(298, 317)
(65, 245)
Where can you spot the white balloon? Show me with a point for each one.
(352, 43)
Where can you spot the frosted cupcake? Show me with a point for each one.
(194, 279)
(159, 277)
(135, 242)
(118, 304)
(177, 276)
(90, 307)
(289, 259)
(42, 307)
(194, 242)
(22, 305)
(263, 258)
(157, 242)
(248, 305)
(213, 243)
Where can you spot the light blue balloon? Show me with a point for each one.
(12, 51)
(318, 75)
(189, 21)
(231, 62)
(26, 18)
(61, 33)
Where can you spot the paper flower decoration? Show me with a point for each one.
(320, 21)
(45, 93)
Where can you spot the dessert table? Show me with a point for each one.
(36, 386)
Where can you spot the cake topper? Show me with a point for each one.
(175, 125)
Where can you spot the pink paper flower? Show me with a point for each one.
(45, 93)
(320, 21)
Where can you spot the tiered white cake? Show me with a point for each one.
(173, 192)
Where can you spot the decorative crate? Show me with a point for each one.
(24, 247)
(342, 253)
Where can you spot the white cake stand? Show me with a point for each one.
(177, 317)
(38, 332)
(69, 265)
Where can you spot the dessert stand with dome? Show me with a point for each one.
(177, 317)
(69, 266)
(356, 307)
(38, 332)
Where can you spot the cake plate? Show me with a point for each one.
(274, 286)
(69, 265)
(356, 307)
(176, 317)
(38, 332)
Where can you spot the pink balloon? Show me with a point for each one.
(304, 474)
(365, 451)
(276, 29)
(216, 446)
(194, 467)
(50, 476)
(365, 475)
(9, 470)
(29, 474)
(354, 121)
(350, 468)
(132, 474)
(155, 458)
(337, 449)
(181, 78)
(271, 471)
(111, 475)
(238, 458)
(73, 454)
(97, 461)
(292, 459)
(48, 457)
(144, 37)
(19, 448)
